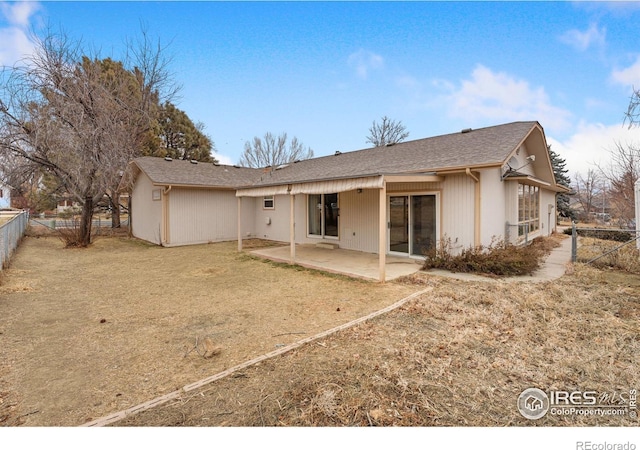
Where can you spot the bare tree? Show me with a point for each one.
(632, 116)
(621, 174)
(588, 190)
(387, 132)
(272, 151)
(78, 119)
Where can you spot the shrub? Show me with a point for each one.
(608, 235)
(498, 258)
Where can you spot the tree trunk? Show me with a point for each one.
(84, 237)
(129, 224)
(114, 201)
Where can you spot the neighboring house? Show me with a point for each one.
(5, 196)
(470, 188)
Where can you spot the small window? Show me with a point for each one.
(268, 202)
(156, 195)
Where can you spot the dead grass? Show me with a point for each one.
(86, 332)
(457, 356)
(609, 254)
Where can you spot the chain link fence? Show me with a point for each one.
(613, 247)
(13, 225)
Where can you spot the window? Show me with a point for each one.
(323, 215)
(528, 209)
(268, 202)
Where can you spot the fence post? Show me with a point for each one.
(574, 242)
(637, 199)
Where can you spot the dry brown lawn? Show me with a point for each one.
(458, 355)
(86, 332)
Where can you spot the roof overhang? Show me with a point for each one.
(337, 185)
(533, 181)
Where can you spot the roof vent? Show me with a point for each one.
(466, 130)
(194, 161)
(389, 144)
(338, 152)
(168, 158)
(236, 166)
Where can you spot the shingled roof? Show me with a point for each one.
(179, 172)
(469, 148)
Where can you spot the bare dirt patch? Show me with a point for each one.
(87, 332)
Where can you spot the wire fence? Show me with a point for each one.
(601, 244)
(11, 233)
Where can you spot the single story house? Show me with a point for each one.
(469, 187)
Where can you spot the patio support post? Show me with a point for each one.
(239, 224)
(382, 232)
(292, 229)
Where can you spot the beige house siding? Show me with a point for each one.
(147, 213)
(511, 211)
(458, 211)
(201, 215)
(493, 210)
(272, 224)
(547, 211)
(359, 220)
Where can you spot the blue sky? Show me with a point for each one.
(324, 71)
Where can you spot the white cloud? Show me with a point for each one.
(14, 38)
(590, 145)
(501, 97)
(364, 62)
(223, 159)
(19, 13)
(629, 76)
(582, 40)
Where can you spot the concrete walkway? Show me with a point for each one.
(552, 268)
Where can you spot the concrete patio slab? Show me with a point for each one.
(345, 262)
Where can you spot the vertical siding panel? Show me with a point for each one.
(359, 220)
(278, 229)
(199, 215)
(495, 209)
(458, 209)
(146, 213)
(547, 222)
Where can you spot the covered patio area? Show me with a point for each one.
(346, 262)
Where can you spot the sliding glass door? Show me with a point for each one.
(412, 224)
(399, 224)
(323, 215)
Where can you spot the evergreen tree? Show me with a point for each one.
(560, 173)
(178, 137)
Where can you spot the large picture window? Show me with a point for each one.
(528, 209)
(323, 214)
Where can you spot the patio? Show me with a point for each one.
(340, 261)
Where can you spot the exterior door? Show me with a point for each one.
(412, 224)
(399, 224)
